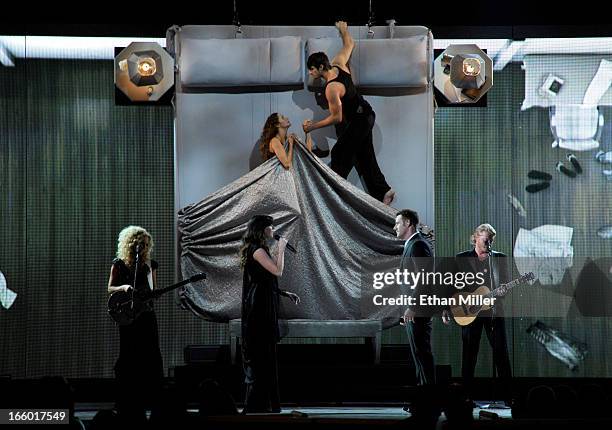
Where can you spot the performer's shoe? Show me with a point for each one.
(534, 188)
(389, 197)
(572, 159)
(321, 153)
(537, 174)
(561, 168)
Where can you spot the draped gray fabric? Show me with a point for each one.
(341, 234)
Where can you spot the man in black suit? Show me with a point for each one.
(494, 266)
(417, 319)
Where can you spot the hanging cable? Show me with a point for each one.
(391, 24)
(237, 22)
(371, 22)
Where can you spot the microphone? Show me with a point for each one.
(289, 247)
(488, 245)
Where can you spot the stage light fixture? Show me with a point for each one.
(471, 67)
(147, 66)
(144, 71)
(467, 71)
(463, 74)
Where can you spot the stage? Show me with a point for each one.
(339, 386)
(357, 416)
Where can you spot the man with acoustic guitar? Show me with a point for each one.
(494, 266)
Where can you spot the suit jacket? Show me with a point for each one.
(467, 261)
(418, 255)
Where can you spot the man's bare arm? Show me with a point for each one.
(332, 93)
(342, 57)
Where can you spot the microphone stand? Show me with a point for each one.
(494, 403)
(135, 276)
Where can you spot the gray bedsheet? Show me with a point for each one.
(341, 234)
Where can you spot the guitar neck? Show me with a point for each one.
(503, 288)
(164, 290)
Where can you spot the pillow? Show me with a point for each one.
(394, 62)
(381, 63)
(286, 61)
(240, 62)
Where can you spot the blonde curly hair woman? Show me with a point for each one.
(139, 368)
(129, 238)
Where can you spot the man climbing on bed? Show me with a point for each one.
(352, 117)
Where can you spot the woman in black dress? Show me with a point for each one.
(139, 368)
(260, 332)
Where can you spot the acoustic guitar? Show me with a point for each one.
(467, 305)
(124, 307)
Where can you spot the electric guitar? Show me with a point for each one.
(467, 305)
(124, 307)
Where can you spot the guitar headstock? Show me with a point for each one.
(197, 277)
(503, 289)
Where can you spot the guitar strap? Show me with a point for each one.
(150, 275)
(494, 274)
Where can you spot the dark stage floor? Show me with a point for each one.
(92, 396)
(359, 416)
(324, 391)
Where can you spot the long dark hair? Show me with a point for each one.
(254, 236)
(270, 129)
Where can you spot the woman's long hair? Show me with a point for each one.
(270, 130)
(254, 236)
(129, 238)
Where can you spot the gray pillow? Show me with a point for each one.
(224, 62)
(394, 62)
(286, 61)
(382, 63)
(240, 62)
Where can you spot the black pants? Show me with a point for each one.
(496, 333)
(259, 360)
(354, 148)
(419, 339)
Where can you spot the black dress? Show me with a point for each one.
(260, 333)
(139, 368)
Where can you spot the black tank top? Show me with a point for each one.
(352, 102)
